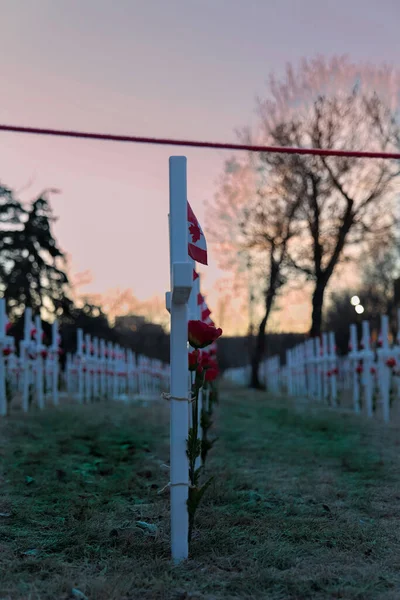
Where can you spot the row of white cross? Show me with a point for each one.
(98, 370)
(101, 369)
(36, 366)
(313, 370)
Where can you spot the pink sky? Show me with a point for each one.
(177, 68)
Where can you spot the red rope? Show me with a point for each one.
(110, 137)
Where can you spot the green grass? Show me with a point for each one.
(305, 504)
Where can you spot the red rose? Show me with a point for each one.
(43, 353)
(391, 362)
(193, 360)
(207, 362)
(373, 370)
(7, 351)
(359, 369)
(211, 374)
(201, 335)
(329, 373)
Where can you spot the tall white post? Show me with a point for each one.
(385, 371)
(39, 363)
(88, 365)
(79, 357)
(367, 375)
(55, 360)
(333, 367)
(354, 354)
(3, 395)
(26, 362)
(181, 284)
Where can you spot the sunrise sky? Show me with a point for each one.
(168, 68)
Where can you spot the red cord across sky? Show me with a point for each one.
(110, 137)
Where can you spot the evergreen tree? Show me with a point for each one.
(34, 267)
(11, 213)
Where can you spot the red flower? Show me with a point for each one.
(372, 370)
(359, 369)
(391, 362)
(201, 335)
(7, 351)
(211, 374)
(43, 353)
(329, 373)
(335, 371)
(193, 360)
(207, 362)
(380, 343)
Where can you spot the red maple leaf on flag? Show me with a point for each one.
(194, 232)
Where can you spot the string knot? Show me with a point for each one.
(167, 396)
(169, 485)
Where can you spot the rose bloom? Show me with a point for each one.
(207, 362)
(391, 362)
(211, 374)
(193, 360)
(201, 335)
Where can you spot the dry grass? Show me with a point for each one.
(306, 504)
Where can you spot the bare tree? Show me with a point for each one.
(347, 202)
(249, 217)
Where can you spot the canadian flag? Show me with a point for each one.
(205, 313)
(197, 247)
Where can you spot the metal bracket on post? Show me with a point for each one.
(182, 281)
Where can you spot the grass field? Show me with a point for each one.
(305, 504)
